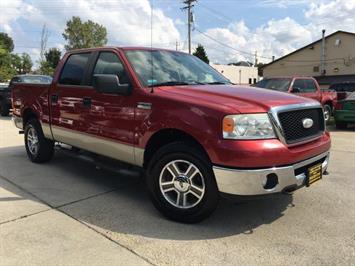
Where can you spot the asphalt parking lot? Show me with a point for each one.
(68, 212)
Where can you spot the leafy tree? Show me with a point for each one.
(260, 69)
(200, 52)
(7, 71)
(47, 66)
(52, 57)
(87, 34)
(6, 43)
(22, 63)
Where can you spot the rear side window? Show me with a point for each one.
(74, 69)
(108, 63)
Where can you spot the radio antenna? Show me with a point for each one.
(151, 81)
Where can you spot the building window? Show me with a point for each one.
(249, 80)
(254, 80)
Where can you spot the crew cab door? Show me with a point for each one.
(66, 99)
(306, 88)
(109, 117)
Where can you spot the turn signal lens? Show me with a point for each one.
(228, 125)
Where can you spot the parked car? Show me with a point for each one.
(5, 91)
(29, 78)
(5, 100)
(343, 89)
(345, 112)
(302, 86)
(193, 133)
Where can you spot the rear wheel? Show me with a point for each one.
(182, 184)
(327, 112)
(341, 125)
(39, 149)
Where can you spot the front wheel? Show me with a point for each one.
(327, 112)
(182, 184)
(39, 149)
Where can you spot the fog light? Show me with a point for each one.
(271, 181)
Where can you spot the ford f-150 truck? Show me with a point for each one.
(302, 86)
(193, 133)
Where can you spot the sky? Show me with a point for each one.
(230, 30)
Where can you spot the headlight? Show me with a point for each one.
(248, 126)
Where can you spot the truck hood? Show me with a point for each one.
(235, 98)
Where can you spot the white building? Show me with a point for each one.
(243, 75)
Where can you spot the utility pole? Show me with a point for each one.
(322, 56)
(177, 45)
(189, 5)
(256, 59)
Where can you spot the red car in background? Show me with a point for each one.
(303, 86)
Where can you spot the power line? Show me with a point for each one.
(230, 47)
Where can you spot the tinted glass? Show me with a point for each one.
(309, 86)
(158, 67)
(277, 84)
(36, 79)
(109, 63)
(74, 68)
(299, 84)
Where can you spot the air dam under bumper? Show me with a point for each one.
(265, 181)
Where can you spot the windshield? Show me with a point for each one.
(36, 79)
(172, 68)
(279, 84)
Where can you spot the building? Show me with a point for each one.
(244, 75)
(330, 63)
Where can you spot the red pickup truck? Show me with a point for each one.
(193, 133)
(302, 86)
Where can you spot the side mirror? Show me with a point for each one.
(295, 90)
(110, 84)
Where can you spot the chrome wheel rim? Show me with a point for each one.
(182, 184)
(32, 141)
(326, 114)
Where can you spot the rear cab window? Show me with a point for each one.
(73, 72)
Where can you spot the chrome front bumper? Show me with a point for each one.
(255, 182)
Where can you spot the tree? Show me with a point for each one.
(47, 66)
(87, 34)
(200, 52)
(52, 57)
(22, 63)
(6, 43)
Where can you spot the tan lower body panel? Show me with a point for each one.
(112, 149)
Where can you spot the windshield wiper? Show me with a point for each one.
(217, 83)
(176, 83)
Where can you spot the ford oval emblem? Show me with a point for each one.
(307, 122)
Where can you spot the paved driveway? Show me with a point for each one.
(68, 212)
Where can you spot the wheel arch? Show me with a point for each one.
(167, 136)
(27, 115)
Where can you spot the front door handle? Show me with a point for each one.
(87, 101)
(54, 98)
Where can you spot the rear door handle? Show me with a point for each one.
(54, 98)
(87, 101)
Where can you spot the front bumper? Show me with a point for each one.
(17, 121)
(257, 181)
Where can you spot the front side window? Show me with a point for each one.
(298, 85)
(310, 86)
(156, 67)
(74, 69)
(108, 63)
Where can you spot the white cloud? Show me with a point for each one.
(278, 37)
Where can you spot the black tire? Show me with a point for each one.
(45, 150)
(341, 125)
(4, 109)
(327, 112)
(188, 153)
